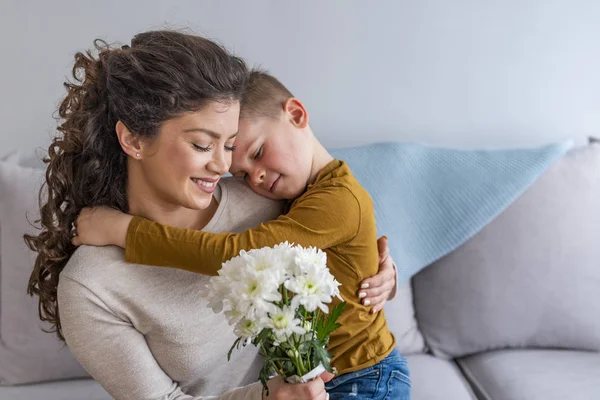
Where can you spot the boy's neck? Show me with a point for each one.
(321, 158)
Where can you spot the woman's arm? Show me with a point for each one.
(115, 354)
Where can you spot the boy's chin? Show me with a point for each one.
(272, 196)
(269, 195)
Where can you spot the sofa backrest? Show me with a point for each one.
(531, 278)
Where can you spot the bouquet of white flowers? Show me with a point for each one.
(277, 299)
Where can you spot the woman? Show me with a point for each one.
(149, 130)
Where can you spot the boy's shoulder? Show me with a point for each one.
(338, 174)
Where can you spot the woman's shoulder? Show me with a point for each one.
(237, 188)
(244, 207)
(90, 262)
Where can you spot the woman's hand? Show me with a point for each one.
(281, 390)
(101, 226)
(374, 291)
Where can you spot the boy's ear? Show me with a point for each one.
(296, 111)
(129, 142)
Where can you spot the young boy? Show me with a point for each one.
(280, 158)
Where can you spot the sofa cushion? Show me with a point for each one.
(436, 379)
(10, 158)
(534, 374)
(400, 315)
(77, 389)
(528, 279)
(27, 354)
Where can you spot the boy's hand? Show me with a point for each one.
(101, 226)
(377, 289)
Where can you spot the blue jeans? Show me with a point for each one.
(389, 379)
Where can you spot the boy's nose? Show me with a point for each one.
(257, 177)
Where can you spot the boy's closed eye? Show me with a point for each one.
(258, 153)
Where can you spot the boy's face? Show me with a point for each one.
(274, 156)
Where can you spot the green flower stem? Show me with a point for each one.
(297, 360)
(277, 366)
(300, 365)
(309, 365)
(285, 296)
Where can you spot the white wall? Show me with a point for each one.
(462, 72)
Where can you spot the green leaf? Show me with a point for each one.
(265, 373)
(261, 337)
(236, 344)
(320, 355)
(304, 348)
(326, 326)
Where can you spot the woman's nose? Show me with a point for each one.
(220, 162)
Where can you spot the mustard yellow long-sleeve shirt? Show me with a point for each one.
(335, 214)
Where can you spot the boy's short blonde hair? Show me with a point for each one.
(264, 96)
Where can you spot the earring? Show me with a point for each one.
(137, 155)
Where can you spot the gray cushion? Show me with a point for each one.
(27, 354)
(10, 158)
(534, 375)
(400, 315)
(436, 379)
(528, 279)
(78, 389)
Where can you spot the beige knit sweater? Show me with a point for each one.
(145, 333)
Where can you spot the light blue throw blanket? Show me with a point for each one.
(429, 201)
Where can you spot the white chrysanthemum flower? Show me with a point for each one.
(216, 291)
(249, 291)
(284, 323)
(247, 328)
(310, 256)
(236, 310)
(270, 263)
(313, 288)
(231, 269)
(254, 287)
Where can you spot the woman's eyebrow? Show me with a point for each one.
(214, 134)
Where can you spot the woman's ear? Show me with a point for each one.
(298, 114)
(129, 142)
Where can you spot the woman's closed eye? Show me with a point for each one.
(208, 148)
(200, 148)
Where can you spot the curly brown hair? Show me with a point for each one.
(161, 75)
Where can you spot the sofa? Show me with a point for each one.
(512, 314)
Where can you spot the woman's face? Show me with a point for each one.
(182, 165)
